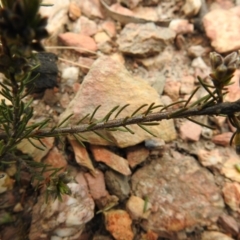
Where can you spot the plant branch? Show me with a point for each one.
(226, 108)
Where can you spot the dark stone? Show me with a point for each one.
(47, 71)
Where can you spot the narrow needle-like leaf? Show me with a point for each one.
(138, 109)
(102, 136)
(95, 110)
(189, 99)
(145, 129)
(65, 120)
(106, 118)
(172, 104)
(201, 124)
(121, 109)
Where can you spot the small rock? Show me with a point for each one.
(229, 167)
(231, 194)
(81, 155)
(85, 63)
(91, 9)
(110, 28)
(172, 89)
(64, 100)
(229, 224)
(136, 155)
(118, 223)
(78, 41)
(181, 26)
(190, 131)
(222, 139)
(117, 184)
(101, 37)
(86, 26)
(155, 144)
(212, 235)
(209, 158)
(121, 10)
(157, 62)
(144, 40)
(70, 73)
(6, 183)
(135, 206)
(187, 84)
(195, 51)
(112, 160)
(207, 133)
(199, 63)
(56, 159)
(191, 7)
(96, 185)
(224, 38)
(50, 97)
(150, 235)
(18, 208)
(148, 13)
(74, 11)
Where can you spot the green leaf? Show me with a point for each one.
(65, 120)
(145, 129)
(138, 109)
(78, 140)
(94, 112)
(102, 136)
(121, 109)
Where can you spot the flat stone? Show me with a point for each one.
(229, 224)
(112, 160)
(226, 37)
(74, 11)
(78, 40)
(231, 194)
(222, 139)
(96, 185)
(136, 155)
(86, 26)
(81, 156)
(109, 84)
(175, 186)
(181, 26)
(117, 184)
(144, 40)
(190, 131)
(91, 8)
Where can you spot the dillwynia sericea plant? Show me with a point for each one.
(22, 29)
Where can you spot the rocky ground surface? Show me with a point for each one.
(182, 184)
